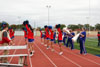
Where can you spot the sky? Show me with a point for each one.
(61, 11)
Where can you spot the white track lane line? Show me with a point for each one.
(45, 55)
(69, 59)
(15, 51)
(82, 57)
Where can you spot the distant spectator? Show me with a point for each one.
(98, 38)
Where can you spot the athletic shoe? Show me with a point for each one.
(60, 53)
(31, 54)
(47, 48)
(33, 51)
(45, 45)
(28, 49)
(72, 49)
(85, 53)
(41, 43)
(52, 50)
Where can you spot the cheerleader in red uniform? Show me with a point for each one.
(30, 37)
(59, 38)
(47, 36)
(98, 35)
(41, 35)
(51, 37)
(11, 33)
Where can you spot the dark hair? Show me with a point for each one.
(31, 28)
(25, 22)
(58, 26)
(45, 26)
(99, 32)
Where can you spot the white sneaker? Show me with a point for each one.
(41, 43)
(45, 45)
(31, 54)
(60, 53)
(48, 48)
(33, 51)
(52, 50)
(28, 49)
(85, 53)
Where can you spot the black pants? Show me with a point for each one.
(99, 42)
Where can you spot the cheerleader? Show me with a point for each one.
(30, 37)
(47, 36)
(41, 35)
(51, 37)
(59, 38)
(11, 33)
(98, 35)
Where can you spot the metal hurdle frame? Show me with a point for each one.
(21, 61)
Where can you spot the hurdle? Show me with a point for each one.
(21, 61)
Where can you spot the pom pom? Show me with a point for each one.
(50, 27)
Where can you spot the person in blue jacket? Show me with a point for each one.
(82, 41)
(55, 36)
(64, 38)
(70, 36)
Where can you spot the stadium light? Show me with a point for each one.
(48, 6)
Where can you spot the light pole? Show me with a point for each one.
(19, 19)
(48, 6)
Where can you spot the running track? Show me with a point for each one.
(47, 58)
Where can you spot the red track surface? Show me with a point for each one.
(47, 58)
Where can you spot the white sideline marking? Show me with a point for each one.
(69, 60)
(15, 51)
(82, 57)
(46, 56)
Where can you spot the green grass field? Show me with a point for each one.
(91, 45)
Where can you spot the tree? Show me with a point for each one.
(80, 26)
(62, 26)
(97, 26)
(73, 27)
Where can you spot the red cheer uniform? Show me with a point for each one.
(30, 33)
